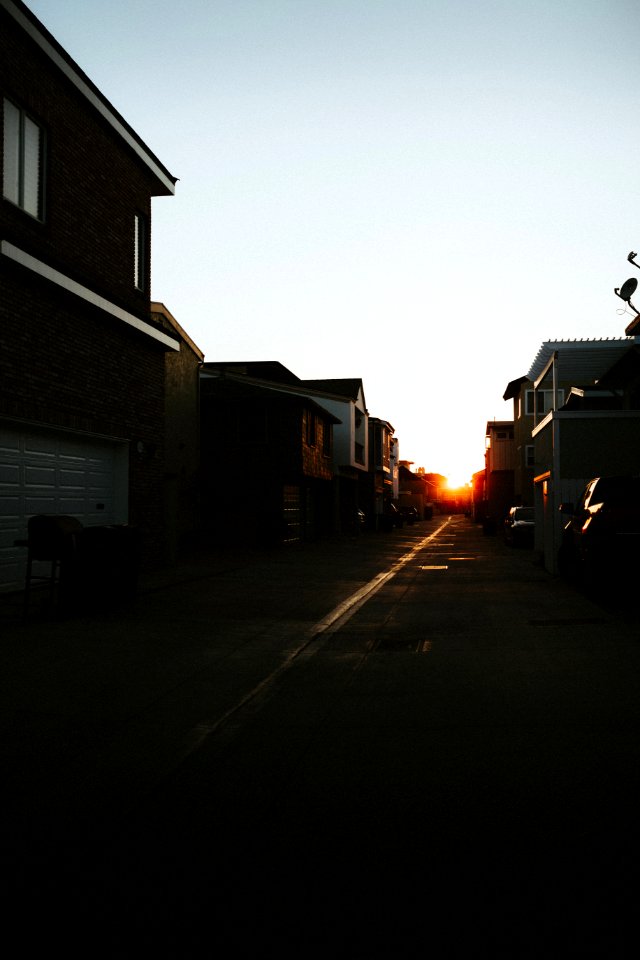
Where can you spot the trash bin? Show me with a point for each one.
(106, 566)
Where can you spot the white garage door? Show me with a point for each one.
(56, 473)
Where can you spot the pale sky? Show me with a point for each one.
(414, 192)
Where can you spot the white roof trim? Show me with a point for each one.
(91, 96)
(42, 269)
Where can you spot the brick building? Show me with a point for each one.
(82, 362)
(267, 455)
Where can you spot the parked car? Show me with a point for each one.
(601, 539)
(409, 514)
(519, 527)
(391, 516)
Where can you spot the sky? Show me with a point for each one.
(414, 192)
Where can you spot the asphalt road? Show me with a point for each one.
(417, 741)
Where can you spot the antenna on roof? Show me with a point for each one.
(628, 288)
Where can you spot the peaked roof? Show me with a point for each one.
(232, 386)
(513, 388)
(271, 370)
(345, 387)
(167, 319)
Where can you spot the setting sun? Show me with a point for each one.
(458, 480)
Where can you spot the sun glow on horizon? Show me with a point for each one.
(454, 483)
(458, 480)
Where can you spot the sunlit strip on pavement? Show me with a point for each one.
(345, 610)
(328, 625)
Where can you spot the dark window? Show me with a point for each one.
(140, 251)
(23, 155)
(326, 438)
(545, 401)
(310, 427)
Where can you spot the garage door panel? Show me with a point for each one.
(43, 503)
(39, 476)
(39, 447)
(7, 536)
(99, 485)
(9, 445)
(10, 509)
(56, 473)
(11, 567)
(9, 474)
(72, 479)
(73, 507)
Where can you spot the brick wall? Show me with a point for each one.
(315, 463)
(63, 362)
(66, 364)
(93, 182)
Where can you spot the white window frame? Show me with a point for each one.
(23, 160)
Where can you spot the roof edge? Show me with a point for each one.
(26, 19)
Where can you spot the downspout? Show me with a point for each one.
(555, 467)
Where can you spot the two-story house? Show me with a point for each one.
(267, 455)
(345, 399)
(383, 483)
(569, 427)
(500, 463)
(82, 361)
(415, 490)
(582, 361)
(596, 432)
(339, 403)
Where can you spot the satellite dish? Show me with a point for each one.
(628, 289)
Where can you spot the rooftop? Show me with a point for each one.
(21, 14)
(580, 361)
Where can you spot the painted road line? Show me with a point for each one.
(345, 610)
(328, 625)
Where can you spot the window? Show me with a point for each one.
(310, 428)
(545, 401)
(326, 438)
(23, 160)
(139, 251)
(529, 453)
